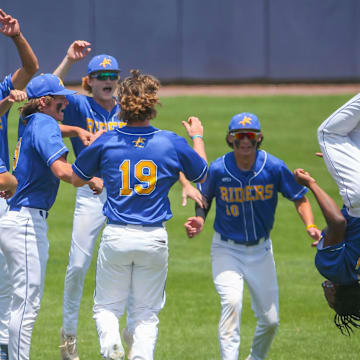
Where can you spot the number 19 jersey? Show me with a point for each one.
(139, 165)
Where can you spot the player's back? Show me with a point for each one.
(139, 165)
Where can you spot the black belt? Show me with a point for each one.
(43, 213)
(253, 243)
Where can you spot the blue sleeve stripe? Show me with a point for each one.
(201, 175)
(3, 169)
(80, 173)
(61, 151)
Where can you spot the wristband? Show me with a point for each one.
(196, 136)
(311, 226)
(16, 35)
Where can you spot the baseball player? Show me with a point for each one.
(93, 113)
(139, 164)
(245, 184)
(40, 162)
(338, 257)
(9, 92)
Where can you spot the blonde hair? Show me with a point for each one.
(138, 97)
(85, 85)
(33, 106)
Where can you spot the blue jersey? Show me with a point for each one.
(2, 166)
(139, 165)
(83, 111)
(340, 263)
(5, 87)
(246, 200)
(40, 145)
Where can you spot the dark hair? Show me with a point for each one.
(138, 97)
(232, 146)
(347, 308)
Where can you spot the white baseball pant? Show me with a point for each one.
(23, 240)
(87, 223)
(5, 289)
(339, 140)
(132, 259)
(232, 264)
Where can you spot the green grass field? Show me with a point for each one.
(188, 323)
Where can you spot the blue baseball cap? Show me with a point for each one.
(244, 121)
(103, 62)
(46, 84)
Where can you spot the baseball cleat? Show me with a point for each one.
(68, 348)
(117, 353)
(129, 340)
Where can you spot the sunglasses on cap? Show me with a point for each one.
(105, 76)
(241, 135)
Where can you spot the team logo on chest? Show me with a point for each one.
(139, 142)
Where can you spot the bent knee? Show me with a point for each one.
(232, 301)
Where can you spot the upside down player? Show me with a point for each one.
(139, 164)
(245, 184)
(338, 255)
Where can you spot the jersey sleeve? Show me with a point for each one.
(208, 187)
(288, 185)
(2, 166)
(6, 86)
(87, 163)
(193, 165)
(48, 142)
(332, 263)
(72, 113)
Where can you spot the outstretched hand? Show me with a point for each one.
(193, 126)
(315, 234)
(9, 26)
(303, 177)
(191, 192)
(96, 185)
(78, 50)
(17, 96)
(194, 225)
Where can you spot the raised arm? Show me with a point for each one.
(76, 52)
(10, 27)
(336, 223)
(85, 136)
(14, 96)
(195, 130)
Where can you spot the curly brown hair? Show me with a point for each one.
(33, 106)
(138, 97)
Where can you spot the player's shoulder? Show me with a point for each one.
(219, 163)
(271, 160)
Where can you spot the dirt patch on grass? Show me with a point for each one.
(253, 89)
